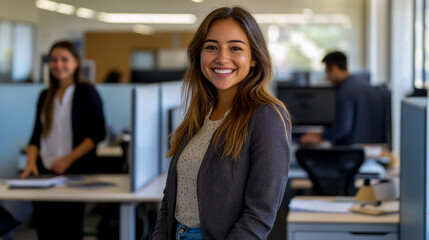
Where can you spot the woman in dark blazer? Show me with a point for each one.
(231, 152)
(69, 123)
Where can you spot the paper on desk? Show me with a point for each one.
(36, 182)
(316, 205)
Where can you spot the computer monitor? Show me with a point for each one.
(175, 117)
(309, 105)
(152, 76)
(145, 142)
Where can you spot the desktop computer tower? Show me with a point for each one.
(414, 173)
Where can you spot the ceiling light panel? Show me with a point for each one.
(85, 13)
(147, 18)
(65, 9)
(47, 5)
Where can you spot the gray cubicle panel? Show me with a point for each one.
(116, 105)
(17, 112)
(145, 129)
(170, 103)
(414, 173)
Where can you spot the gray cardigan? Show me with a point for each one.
(237, 199)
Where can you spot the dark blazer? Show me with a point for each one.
(87, 121)
(360, 114)
(237, 199)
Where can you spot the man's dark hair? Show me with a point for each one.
(336, 58)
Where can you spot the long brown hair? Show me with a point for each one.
(48, 106)
(200, 94)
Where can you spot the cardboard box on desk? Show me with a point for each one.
(386, 190)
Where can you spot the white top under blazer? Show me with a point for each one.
(59, 142)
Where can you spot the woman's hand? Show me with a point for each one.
(61, 165)
(31, 168)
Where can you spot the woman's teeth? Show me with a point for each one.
(221, 71)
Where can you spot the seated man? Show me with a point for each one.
(360, 108)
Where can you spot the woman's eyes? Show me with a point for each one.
(59, 59)
(210, 47)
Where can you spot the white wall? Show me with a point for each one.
(19, 10)
(401, 61)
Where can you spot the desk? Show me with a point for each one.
(350, 226)
(153, 192)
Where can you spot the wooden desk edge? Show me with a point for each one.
(319, 217)
(152, 192)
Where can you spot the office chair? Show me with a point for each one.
(331, 170)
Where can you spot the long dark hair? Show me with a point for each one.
(48, 106)
(200, 94)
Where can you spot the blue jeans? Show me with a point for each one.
(187, 233)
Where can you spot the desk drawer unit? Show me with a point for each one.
(323, 231)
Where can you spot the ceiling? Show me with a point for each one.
(187, 6)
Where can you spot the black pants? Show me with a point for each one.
(58, 220)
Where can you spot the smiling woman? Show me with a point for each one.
(231, 152)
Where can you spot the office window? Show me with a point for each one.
(425, 11)
(16, 51)
(419, 55)
(298, 38)
(5, 51)
(301, 47)
(22, 52)
(421, 46)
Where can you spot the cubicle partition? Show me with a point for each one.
(17, 112)
(414, 179)
(170, 101)
(145, 144)
(116, 105)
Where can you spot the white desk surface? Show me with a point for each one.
(315, 217)
(153, 192)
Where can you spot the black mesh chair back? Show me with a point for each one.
(332, 171)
